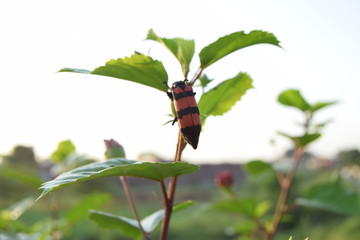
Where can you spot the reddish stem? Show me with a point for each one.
(170, 194)
(132, 206)
(285, 184)
(167, 212)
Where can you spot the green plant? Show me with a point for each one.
(63, 159)
(257, 223)
(311, 132)
(143, 69)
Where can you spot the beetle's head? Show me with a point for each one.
(180, 84)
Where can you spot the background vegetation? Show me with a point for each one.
(21, 174)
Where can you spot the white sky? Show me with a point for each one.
(40, 107)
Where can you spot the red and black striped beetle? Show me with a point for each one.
(187, 111)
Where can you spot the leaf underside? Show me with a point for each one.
(130, 226)
(119, 167)
(136, 68)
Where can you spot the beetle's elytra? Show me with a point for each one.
(187, 111)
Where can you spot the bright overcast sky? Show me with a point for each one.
(40, 107)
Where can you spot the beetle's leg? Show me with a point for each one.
(174, 121)
(168, 93)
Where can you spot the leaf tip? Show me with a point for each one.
(74, 70)
(151, 35)
(44, 192)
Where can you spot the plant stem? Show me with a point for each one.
(167, 212)
(54, 226)
(197, 76)
(55, 206)
(179, 148)
(285, 184)
(170, 194)
(260, 229)
(132, 206)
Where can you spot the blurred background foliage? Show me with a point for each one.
(64, 214)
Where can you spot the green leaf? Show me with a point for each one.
(319, 126)
(137, 68)
(332, 197)
(320, 105)
(22, 236)
(285, 135)
(9, 219)
(204, 81)
(30, 179)
(64, 149)
(246, 207)
(75, 70)
(307, 139)
(262, 208)
(293, 98)
(119, 167)
(127, 226)
(302, 141)
(258, 167)
(244, 227)
(233, 42)
(82, 207)
(221, 98)
(148, 223)
(17, 209)
(182, 49)
(183, 205)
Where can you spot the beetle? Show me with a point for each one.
(187, 111)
